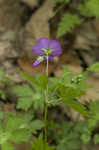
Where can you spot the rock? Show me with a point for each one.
(30, 3)
(17, 36)
(91, 93)
(10, 70)
(11, 13)
(7, 49)
(37, 27)
(96, 25)
(87, 43)
(86, 36)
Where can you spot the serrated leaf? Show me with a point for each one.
(66, 76)
(7, 146)
(90, 8)
(70, 92)
(1, 115)
(92, 123)
(24, 103)
(20, 135)
(2, 74)
(1, 126)
(29, 78)
(18, 128)
(68, 22)
(38, 144)
(94, 67)
(94, 109)
(23, 90)
(15, 122)
(70, 142)
(3, 135)
(3, 94)
(86, 138)
(54, 101)
(77, 107)
(36, 125)
(38, 101)
(68, 95)
(96, 139)
(28, 115)
(53, 85)
(27, 97)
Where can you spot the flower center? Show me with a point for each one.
(47, 52)
(40, 58)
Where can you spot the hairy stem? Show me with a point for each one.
(46, 110)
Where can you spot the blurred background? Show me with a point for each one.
(23, 22)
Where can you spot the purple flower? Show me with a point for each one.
(45, 48)
(37, 62)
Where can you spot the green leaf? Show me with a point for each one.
(36, 125)
(30, 78)
(94, 67)
(71, 141)
(54, 101)
(94, 109)
(28, 115)
(20, 135)
(43, 81)
(18, 128)
(89, 8)
(96, 139)
(53, 85)
(77, 107)
(1, 115)
(70, 92)
(24, 102)
(68, 95)
(27, 97)
(15, 122)
(38, 101)
(68, 22)
(23, 90)
(3, 94)
(66, 76)
(3, 135)
(92, 123)
(7, 146)
(2, 74)
(1, 126)
(86, 138)
(38, 144)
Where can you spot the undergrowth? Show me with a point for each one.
(76, 15)
(20, 126)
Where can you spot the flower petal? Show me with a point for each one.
(36, 63)
(55, 45)
(50, 57)
(43, 43)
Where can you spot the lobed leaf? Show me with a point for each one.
(94, 67)
(68, 22)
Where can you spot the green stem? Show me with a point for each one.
(46, 110)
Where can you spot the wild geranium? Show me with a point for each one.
(45, 48)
